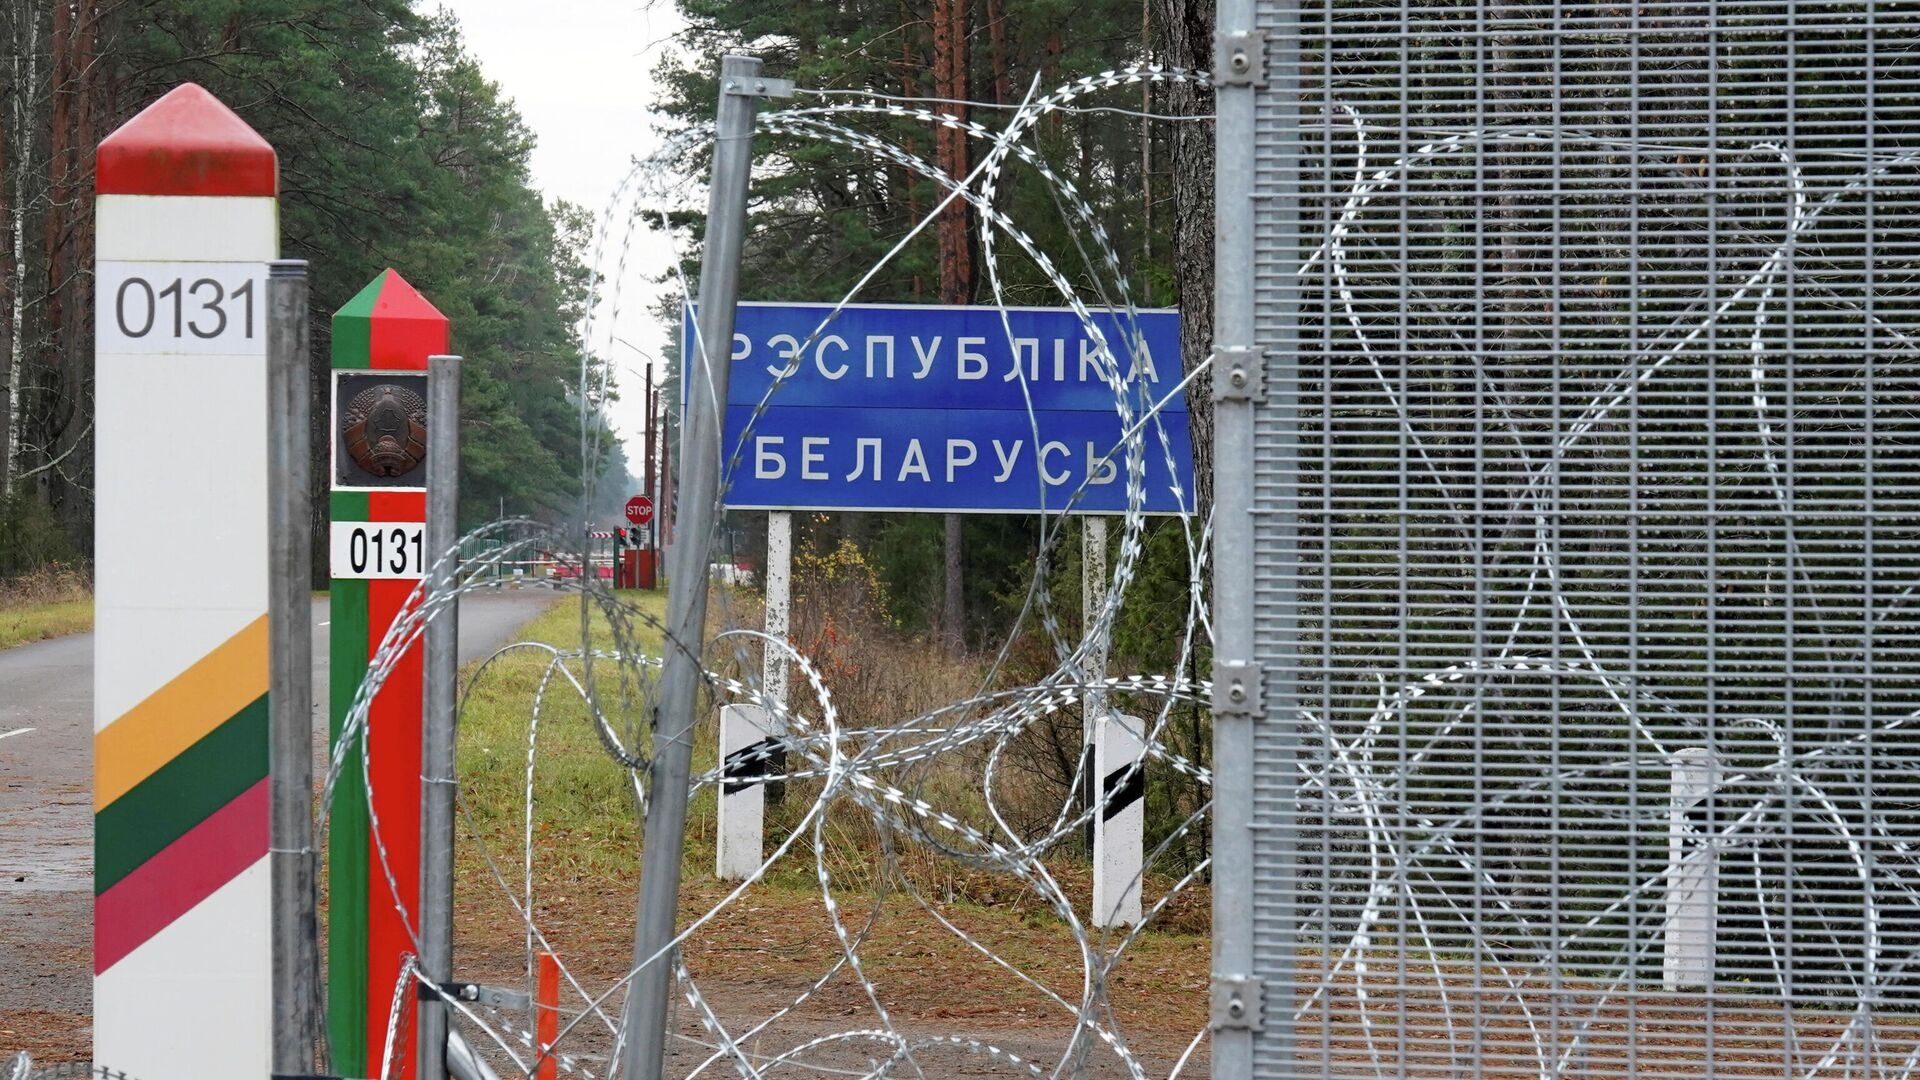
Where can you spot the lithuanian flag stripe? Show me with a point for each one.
(182, 875)
(180, 714)
(180, 795)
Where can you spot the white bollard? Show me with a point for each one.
(1119, 819)
(1692, 872)
(744, 743)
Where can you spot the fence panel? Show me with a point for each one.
(1585, 564)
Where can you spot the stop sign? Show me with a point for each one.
(640, 510)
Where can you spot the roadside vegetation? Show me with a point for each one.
(45, 591)
(778, 937)
(52, 601)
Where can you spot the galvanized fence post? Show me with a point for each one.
(296, 957)
(704, 366)
(441, 694)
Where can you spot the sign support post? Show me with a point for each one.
(381, 341)
(1113, 774)
(186, 220)
(705, 371)
(296, 931)
(773, 662)
(1093, 702)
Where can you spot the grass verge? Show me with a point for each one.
(53, 601)
(771, 942)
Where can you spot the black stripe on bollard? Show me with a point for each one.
(1131, 783)
(747, 766)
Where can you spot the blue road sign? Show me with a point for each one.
(949, 409)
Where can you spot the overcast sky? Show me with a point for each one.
(581, 74)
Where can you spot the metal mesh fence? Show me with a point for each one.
(1586, 547)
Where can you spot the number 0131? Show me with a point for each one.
(181, 307)
(379, 549)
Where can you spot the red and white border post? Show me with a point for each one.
(186, 220)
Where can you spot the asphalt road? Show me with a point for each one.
(46, 817)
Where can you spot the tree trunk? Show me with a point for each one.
(53, 226)
(59, 409)
(1186, 27)
(997, 41)
(26, 78)
(6, 324)
(956, 255)
(909, 87)
(950, 148)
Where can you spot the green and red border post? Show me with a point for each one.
(387, 327)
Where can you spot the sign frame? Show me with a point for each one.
(1075, 409)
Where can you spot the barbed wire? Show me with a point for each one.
(1419, 859)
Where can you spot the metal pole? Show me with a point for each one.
(669, 485)
(296, 950)
(705, 372)
(653, 405)
(440, 700)
(773, 662)
(652, 485)
(1241, 697)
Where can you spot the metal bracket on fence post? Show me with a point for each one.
(1239, 689)
(1238, 1002)
(1239, 374)
(1240, 59)
(758, 86)
(478, 993)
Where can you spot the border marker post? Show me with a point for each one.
(381, 338)
(186, 220)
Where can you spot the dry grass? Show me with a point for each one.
(53, 601)
(774, 940)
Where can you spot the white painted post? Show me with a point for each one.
(1692, 872)
(1119, 819)
(773, 661)
(1093, 590)
(186, 219)
(773, 665)
(744, 742)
